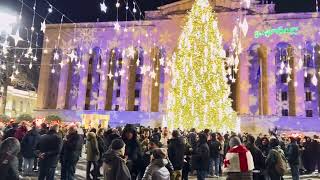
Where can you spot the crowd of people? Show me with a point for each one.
(130, 153)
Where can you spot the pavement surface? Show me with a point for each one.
(81, 174)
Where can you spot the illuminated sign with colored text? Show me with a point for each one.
(278, 31)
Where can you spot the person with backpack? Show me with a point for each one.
(200, 158)
(215, 148)
(293, 158)
(276, 163)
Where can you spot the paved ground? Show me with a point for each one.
(81, 174)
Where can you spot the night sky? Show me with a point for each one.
(89, 10)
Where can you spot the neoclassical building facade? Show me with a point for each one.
(93, 67)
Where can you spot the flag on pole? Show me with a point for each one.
(258, 74)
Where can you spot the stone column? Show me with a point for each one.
(243, 85)
(83, 82)
(146, 85)
(271, 85)
(95, 78)
(103, 82)
(43, 86)
(63, 81)
(298, 84)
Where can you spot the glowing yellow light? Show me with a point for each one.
(199, 93)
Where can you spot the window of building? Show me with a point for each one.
(120, 63)
(309, 113)
(284, 96)
(284, 78)
(138, 78)
(308, 96)
(118, 93)
(285, 112)
(136, 108)
(116, 107)
(119, 81)
(137, 93)
(307, 81)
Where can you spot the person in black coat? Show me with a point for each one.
(9, 150)
(200, 159)
(293, 158)
(258, 158)
(102, 149)
(70, 154)
(308, 155)
(176, 149)
(28, 149)
(215, 147)
(49, 147)
(132, 150)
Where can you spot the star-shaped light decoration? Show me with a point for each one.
(30, 66)
(116, 26)
(16, 72)
(244, 27)
(110, 75)
(121, 72)
(314, 80)
(79, 65)
(29, 51)
(61, 64)
(55, 56)
(73, 56)
(166, 70)
(16, 37)
(153, 74)
(161, 60)
(43, 26)
(143, 70)
(12, 78)
(34, 58)
(103, 7)
(131, 52)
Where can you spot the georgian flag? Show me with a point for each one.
(238, 159)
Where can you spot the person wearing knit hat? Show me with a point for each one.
(114, 164)
(238, 163)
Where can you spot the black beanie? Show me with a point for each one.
(117, 144)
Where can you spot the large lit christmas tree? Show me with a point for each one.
(199, 94)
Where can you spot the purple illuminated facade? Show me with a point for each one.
(277, 82)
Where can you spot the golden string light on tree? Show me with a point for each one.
(199, 93)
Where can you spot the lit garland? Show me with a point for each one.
(199, 92)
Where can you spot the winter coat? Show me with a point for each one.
(20, 132)
(258, 157)
(271, 162)
(50, 144)
(115, 167)
(29, 144)
(92, 147)
(215, 148)
(8, 159)
(293, 154)
(134, 153)
(176, 149)
(200, 160)
(101, 146)
(71, 149)
(157, 170)
(192, 139)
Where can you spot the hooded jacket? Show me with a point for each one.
(157, 170)
(115, 167)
